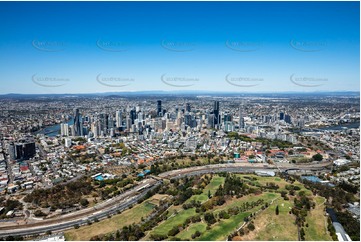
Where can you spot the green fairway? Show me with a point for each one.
(191, 229)
(212, 187)
(221, 230)
(165, 227)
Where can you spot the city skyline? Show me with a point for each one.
(243, 47)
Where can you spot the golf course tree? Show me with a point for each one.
(317, 157)
(277, 210)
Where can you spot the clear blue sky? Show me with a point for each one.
(261, 46)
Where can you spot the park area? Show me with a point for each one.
(210, 215)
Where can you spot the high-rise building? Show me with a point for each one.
(24, 149)
(159, 108)
(216, 112)
(288, 119)
(12, 152)
(133, 115)
(241, 119)
(282, 116)
(64, 129)
(188, 107)
(77, 123)
(118, 119)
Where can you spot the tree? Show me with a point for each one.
(317, 157)
(84, 202)
(277, 210)
(209, 194)
(250, 226)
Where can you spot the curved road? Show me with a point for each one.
(123, 201)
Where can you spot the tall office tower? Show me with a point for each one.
(187, 119)
(12, 153)
(188, 107)
(28, 149)
(72, 130)
(159, 108)
(140, 116)
(118, 119)
(105, 123)
(216, 112)
(211, 121)
(288, 119)
(133, 115)
(241, 119)
(77, 121)
(110, 122)
(282, 116)
(94, 129)
(137, 109)
(129, 123)
(227, 117)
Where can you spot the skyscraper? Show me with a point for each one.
(77, 121)
(216, 112)
(241, 118)
(288, 119)
(188, 107)
(159, 108)
(282, 116)
(118, 118)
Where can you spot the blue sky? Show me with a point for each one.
(82, 47)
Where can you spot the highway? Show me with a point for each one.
(130, 197)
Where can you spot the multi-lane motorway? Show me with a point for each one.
(123, 201)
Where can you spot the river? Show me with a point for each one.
(52, 131)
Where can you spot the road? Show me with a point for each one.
(131, 197)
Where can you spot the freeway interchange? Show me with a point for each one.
(132, 196)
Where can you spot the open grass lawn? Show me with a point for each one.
(212, 187)
(164, 227)
(262, 180)
(128, 217)
(317, 223)
(270, 226)
(191, 229)
(221, 230)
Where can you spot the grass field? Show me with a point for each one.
(128, 217)
(191, 229)
(221, 230)
(178, 219)
(270, 226)
(317, 223)
(212, 187)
